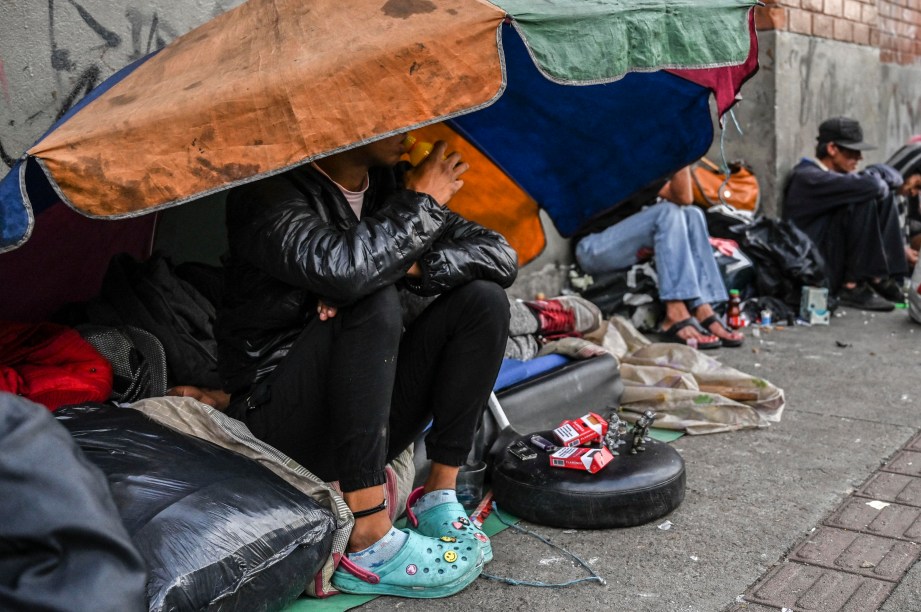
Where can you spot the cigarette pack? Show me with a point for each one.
(589, 459)
(575, 432)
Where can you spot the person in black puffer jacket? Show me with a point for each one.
(312, 348)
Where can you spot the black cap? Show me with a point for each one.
(844, 132)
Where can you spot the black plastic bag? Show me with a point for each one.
(785, 258)
(62, 544)
(217, 530)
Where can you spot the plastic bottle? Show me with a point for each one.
(416, 149)
(734, 311)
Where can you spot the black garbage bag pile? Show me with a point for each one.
(216, 530)
(785, 258)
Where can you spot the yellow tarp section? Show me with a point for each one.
(490, 197)
(203, 114)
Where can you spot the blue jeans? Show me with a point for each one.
(678, 235)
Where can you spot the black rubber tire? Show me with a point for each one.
(631, 490)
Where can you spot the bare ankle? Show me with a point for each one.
(368, 530)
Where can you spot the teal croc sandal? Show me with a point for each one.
(448, 519)
(423, 568)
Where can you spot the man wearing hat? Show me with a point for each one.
(851, 217)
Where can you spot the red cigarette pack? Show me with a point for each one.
(576, 432)
(590, 460)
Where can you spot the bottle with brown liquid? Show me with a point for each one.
(734, 311)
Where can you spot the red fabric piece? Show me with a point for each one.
(724, 82)
(52, 365)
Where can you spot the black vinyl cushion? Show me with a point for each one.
(567, 392)
(630, 490)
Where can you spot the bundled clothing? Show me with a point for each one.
(51, 365)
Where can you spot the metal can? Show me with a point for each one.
(766, 318)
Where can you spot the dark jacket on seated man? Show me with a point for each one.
(263, 314)
(850, 215)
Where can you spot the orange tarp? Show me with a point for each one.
(490, 197)
(202, 115)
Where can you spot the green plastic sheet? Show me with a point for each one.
(588, 41)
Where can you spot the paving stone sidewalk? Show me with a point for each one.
(772, 518)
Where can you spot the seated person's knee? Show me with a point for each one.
(380, 310)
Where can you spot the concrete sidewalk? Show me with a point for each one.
(753, 497)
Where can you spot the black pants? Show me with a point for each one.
(356, 390)
(861, 242)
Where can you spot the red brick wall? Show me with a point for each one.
(892, 26)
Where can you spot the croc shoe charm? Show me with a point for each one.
(446, 520)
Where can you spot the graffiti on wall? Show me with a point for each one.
(82, 43)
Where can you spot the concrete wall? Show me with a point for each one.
(805, 79)
(53, 51)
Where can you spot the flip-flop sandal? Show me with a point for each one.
(448, 519)
(729, 342)
(423, 568)
(671, 334)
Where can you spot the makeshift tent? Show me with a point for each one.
(274, 84)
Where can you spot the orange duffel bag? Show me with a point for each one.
(711, 186)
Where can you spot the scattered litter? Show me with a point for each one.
(740, 598)
(840, 313)
(865, 322)
(786, 610)
(878, 505)
(550, 561)
(857, 441)
(905, 397)
(694, 557)
(872, 354)
(593, 561)
(666, 525)
(840, 344)
(571, 531)
(867, 565)
(757, 365)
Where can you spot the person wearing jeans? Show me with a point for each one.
(689, 278)
(313, 350)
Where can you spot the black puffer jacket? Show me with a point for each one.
(294, 240)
